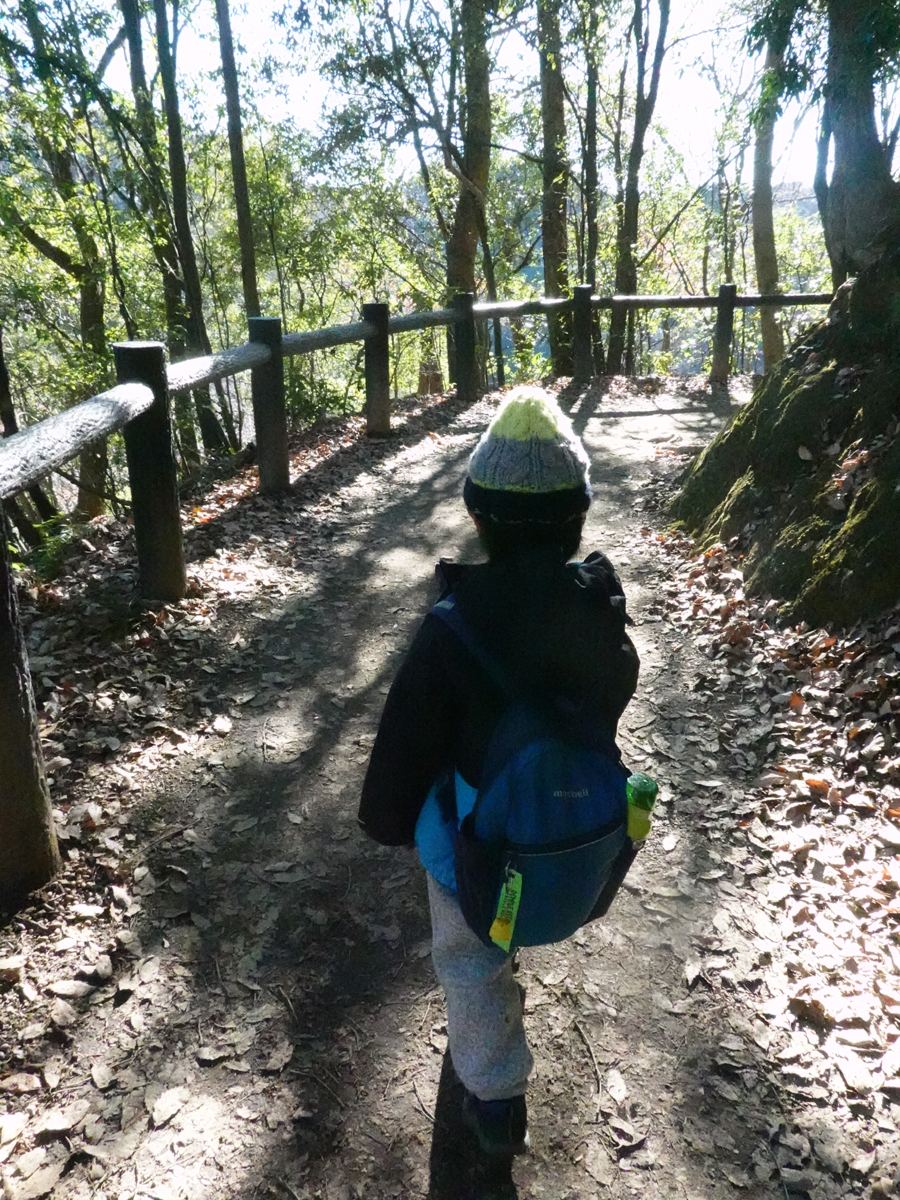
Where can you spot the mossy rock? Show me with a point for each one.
(789, 409)
(770, 477)
(785, 564)
(855, 572)
(737, 510)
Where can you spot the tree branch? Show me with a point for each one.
(56, 254)
(532, 158)
(429, 189)
(109, 53)
(683, 209)
(528, 255)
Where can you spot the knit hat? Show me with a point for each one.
(530, 464)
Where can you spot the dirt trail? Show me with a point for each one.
(258, 1013)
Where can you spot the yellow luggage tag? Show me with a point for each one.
(501, 931)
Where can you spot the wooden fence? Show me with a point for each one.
(139, 406)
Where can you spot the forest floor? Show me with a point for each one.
(228, 991)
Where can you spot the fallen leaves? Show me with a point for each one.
(20, 1083)
(168, 1104)
(774, 870)
(809, 884)
(36, 1183)
(598, 1165)
(280, 1056)
(11, 968)
(208, 1056)
(62, 1120)
(86, 912)
(692, 972)
(69, 988)
(62, 1014)
(627, 1137)
(102, 1075)
(616, 1085)
(12, 1126)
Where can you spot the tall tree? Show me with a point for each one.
(238, 166)
(591, 174)
(862, 199)
(764, 251)
(590, 33)
(628, 200)
(474, 171)
(554, 214)
(151, 190)
(197, 338)
(860, 203)
(52, 118)
(424, 76)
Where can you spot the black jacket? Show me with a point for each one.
(557, 628)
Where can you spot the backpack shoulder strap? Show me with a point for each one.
(448, 611)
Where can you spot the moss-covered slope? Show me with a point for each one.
(808, 474)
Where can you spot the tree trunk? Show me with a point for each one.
(862, 210)
(491, 283)
(469, 217)
(462, 245)
(153, 197)
(554, 231)
(238, 166)
(93, 463)
(152, 186)
(763, 221)
(820, 179)
(27, 531)
(523, 345)
(9, 425)
(178, 175)
(591, 182)
(29, 856)
(211, 432)
(629, 204)
(89, 272)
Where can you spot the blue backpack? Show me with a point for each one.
(544, 849)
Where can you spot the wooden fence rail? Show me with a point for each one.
(34, 452)
(139, 407)
(27, 456)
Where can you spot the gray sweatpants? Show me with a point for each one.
(484, 1011)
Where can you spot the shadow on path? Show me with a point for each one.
(457, 1170)
(267, 927)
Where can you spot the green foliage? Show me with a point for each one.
(360, 210)
(47, 560)
(799, 27)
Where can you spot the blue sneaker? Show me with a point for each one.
(500, 1126)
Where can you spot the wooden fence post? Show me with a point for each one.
(721, 357)
(269, 415)
(152, 475)
(29, 856)
(582, 351)
(465, 374)
(378, 371)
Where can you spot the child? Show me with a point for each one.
(557, 629)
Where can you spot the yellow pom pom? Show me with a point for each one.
(531, 412)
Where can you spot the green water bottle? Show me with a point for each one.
(641, 791)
